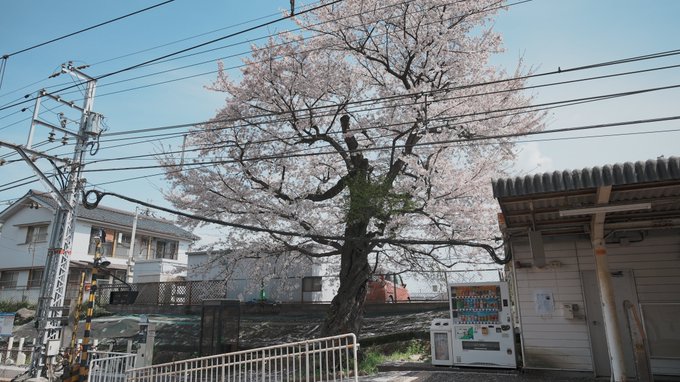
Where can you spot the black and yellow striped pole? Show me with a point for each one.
(90, 307)
(76, 318)
(71, 367)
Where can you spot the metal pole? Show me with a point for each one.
(84, 367)
(53, 288)
(611, 322)
(36, 112)
(131, 255)
(612, 328)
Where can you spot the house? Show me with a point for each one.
(159, 246)
(308, 280)
(596, 267)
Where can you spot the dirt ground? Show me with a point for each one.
(177, 336)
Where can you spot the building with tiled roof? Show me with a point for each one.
(595, 267)
(158, 253)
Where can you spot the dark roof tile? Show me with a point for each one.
(658, 170)
(123, 218)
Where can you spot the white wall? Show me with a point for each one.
(14, 252)
(158, 270)
(81, 242)
(553, 341)
(283, 288)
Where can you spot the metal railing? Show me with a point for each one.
(110, 367)
(324, 359)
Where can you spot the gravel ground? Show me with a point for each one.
(472, 376)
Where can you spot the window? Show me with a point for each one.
(8, 279)
(105, 236)
(124, 239)
(35, 278)
(311, 284)
(166, 249)
(73, 280)
(36, 234)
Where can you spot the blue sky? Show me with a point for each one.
(546, 34)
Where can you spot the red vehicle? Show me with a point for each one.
(386, 288)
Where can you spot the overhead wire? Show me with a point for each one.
(139, 87)
(238, 66)
(86, 29)
(531, 108)
(598, 97)
(370, 149)
(135, 66)
(153, 48)
(230, 56)
(622, 61)
(163, 173)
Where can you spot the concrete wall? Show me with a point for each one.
(158, 270)
(14, 251)
(555, 341)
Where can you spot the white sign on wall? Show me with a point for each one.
(545, 304)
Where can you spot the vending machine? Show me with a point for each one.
(482, 329)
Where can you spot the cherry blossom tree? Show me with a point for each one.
(370, 137)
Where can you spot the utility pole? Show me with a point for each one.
(131, 255)
(53, 288)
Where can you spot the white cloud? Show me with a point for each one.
(530, 160)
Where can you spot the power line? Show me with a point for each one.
(433, 92)
(154, 48)
(182, 50)
(233, 55)
(419, 144)
(164, 173)
(527, 109)
(213, 71)
(85, 29)
(386, 240)
(532, 108)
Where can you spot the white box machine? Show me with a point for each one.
(483, 333)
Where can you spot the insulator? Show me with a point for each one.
(51, 136)
(64, 139)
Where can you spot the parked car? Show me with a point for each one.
(386, 288)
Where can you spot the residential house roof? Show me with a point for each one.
(115, 217)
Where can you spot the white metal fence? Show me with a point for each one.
(109, 366)
(324, 359)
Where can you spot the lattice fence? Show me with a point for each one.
(166, 293)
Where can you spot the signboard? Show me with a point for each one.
(6, 324)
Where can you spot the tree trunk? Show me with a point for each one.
(346, 312)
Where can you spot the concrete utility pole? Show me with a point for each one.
(53, 288)
(131, 255)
